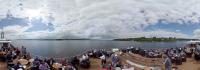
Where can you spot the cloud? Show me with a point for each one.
(15, 31)
(156, 33)
(178, 30)
(105, 18)
(197, 33)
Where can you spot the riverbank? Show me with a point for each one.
(153, 39)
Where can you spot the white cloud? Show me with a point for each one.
(178, 30)
(14, 31)
(156, 33)
(106, 18)
(197, 33)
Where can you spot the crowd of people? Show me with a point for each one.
(20, 59)
(150, 53)
(26, 61)
(172, 55)
(104, 55)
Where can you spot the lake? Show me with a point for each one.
(67, 48)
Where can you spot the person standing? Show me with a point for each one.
(23, 49)
(103, 60)
(167, 63)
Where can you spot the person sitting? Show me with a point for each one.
(64, 62)
(18, 66)
(17, 51)
(97, 54)
(124, 50)
(14, 54)
(9, 57)
(115, 60)
(44, 66)
(85, 63)
(50, 62)
(91, 54)
(27, 56)
(183, 56)
(150, 54)
(196, 55)
(188, 52)
(178, 59)
(137, 50)
(10, 65)
(84, 57)
(74, 61)
(70, 67)
(35, 65)
(37, 58)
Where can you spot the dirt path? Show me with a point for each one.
(3, 66)
(191, 64)
(95, 65)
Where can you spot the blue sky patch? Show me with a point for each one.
(175, 27)
(10, 21)
(38, 25)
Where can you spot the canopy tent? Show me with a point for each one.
(4, 42)
(193, 42)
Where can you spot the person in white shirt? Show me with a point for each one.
(103, 60)
(84, 57)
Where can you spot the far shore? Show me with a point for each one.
(141, 39)
(154, 39)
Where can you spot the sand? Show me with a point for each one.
(191, 64)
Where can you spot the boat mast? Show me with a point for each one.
(2, 34)
(8, 15)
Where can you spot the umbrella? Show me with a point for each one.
(147, 68)
(23, 61)
(57, 65)
(31, 60)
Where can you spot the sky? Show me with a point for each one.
(99, 19)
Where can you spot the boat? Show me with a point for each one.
(3, 41)
(193, 43)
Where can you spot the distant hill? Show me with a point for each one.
(141, 39)
(154, 39)
(53, 39)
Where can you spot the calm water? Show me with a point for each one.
(66, 48)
